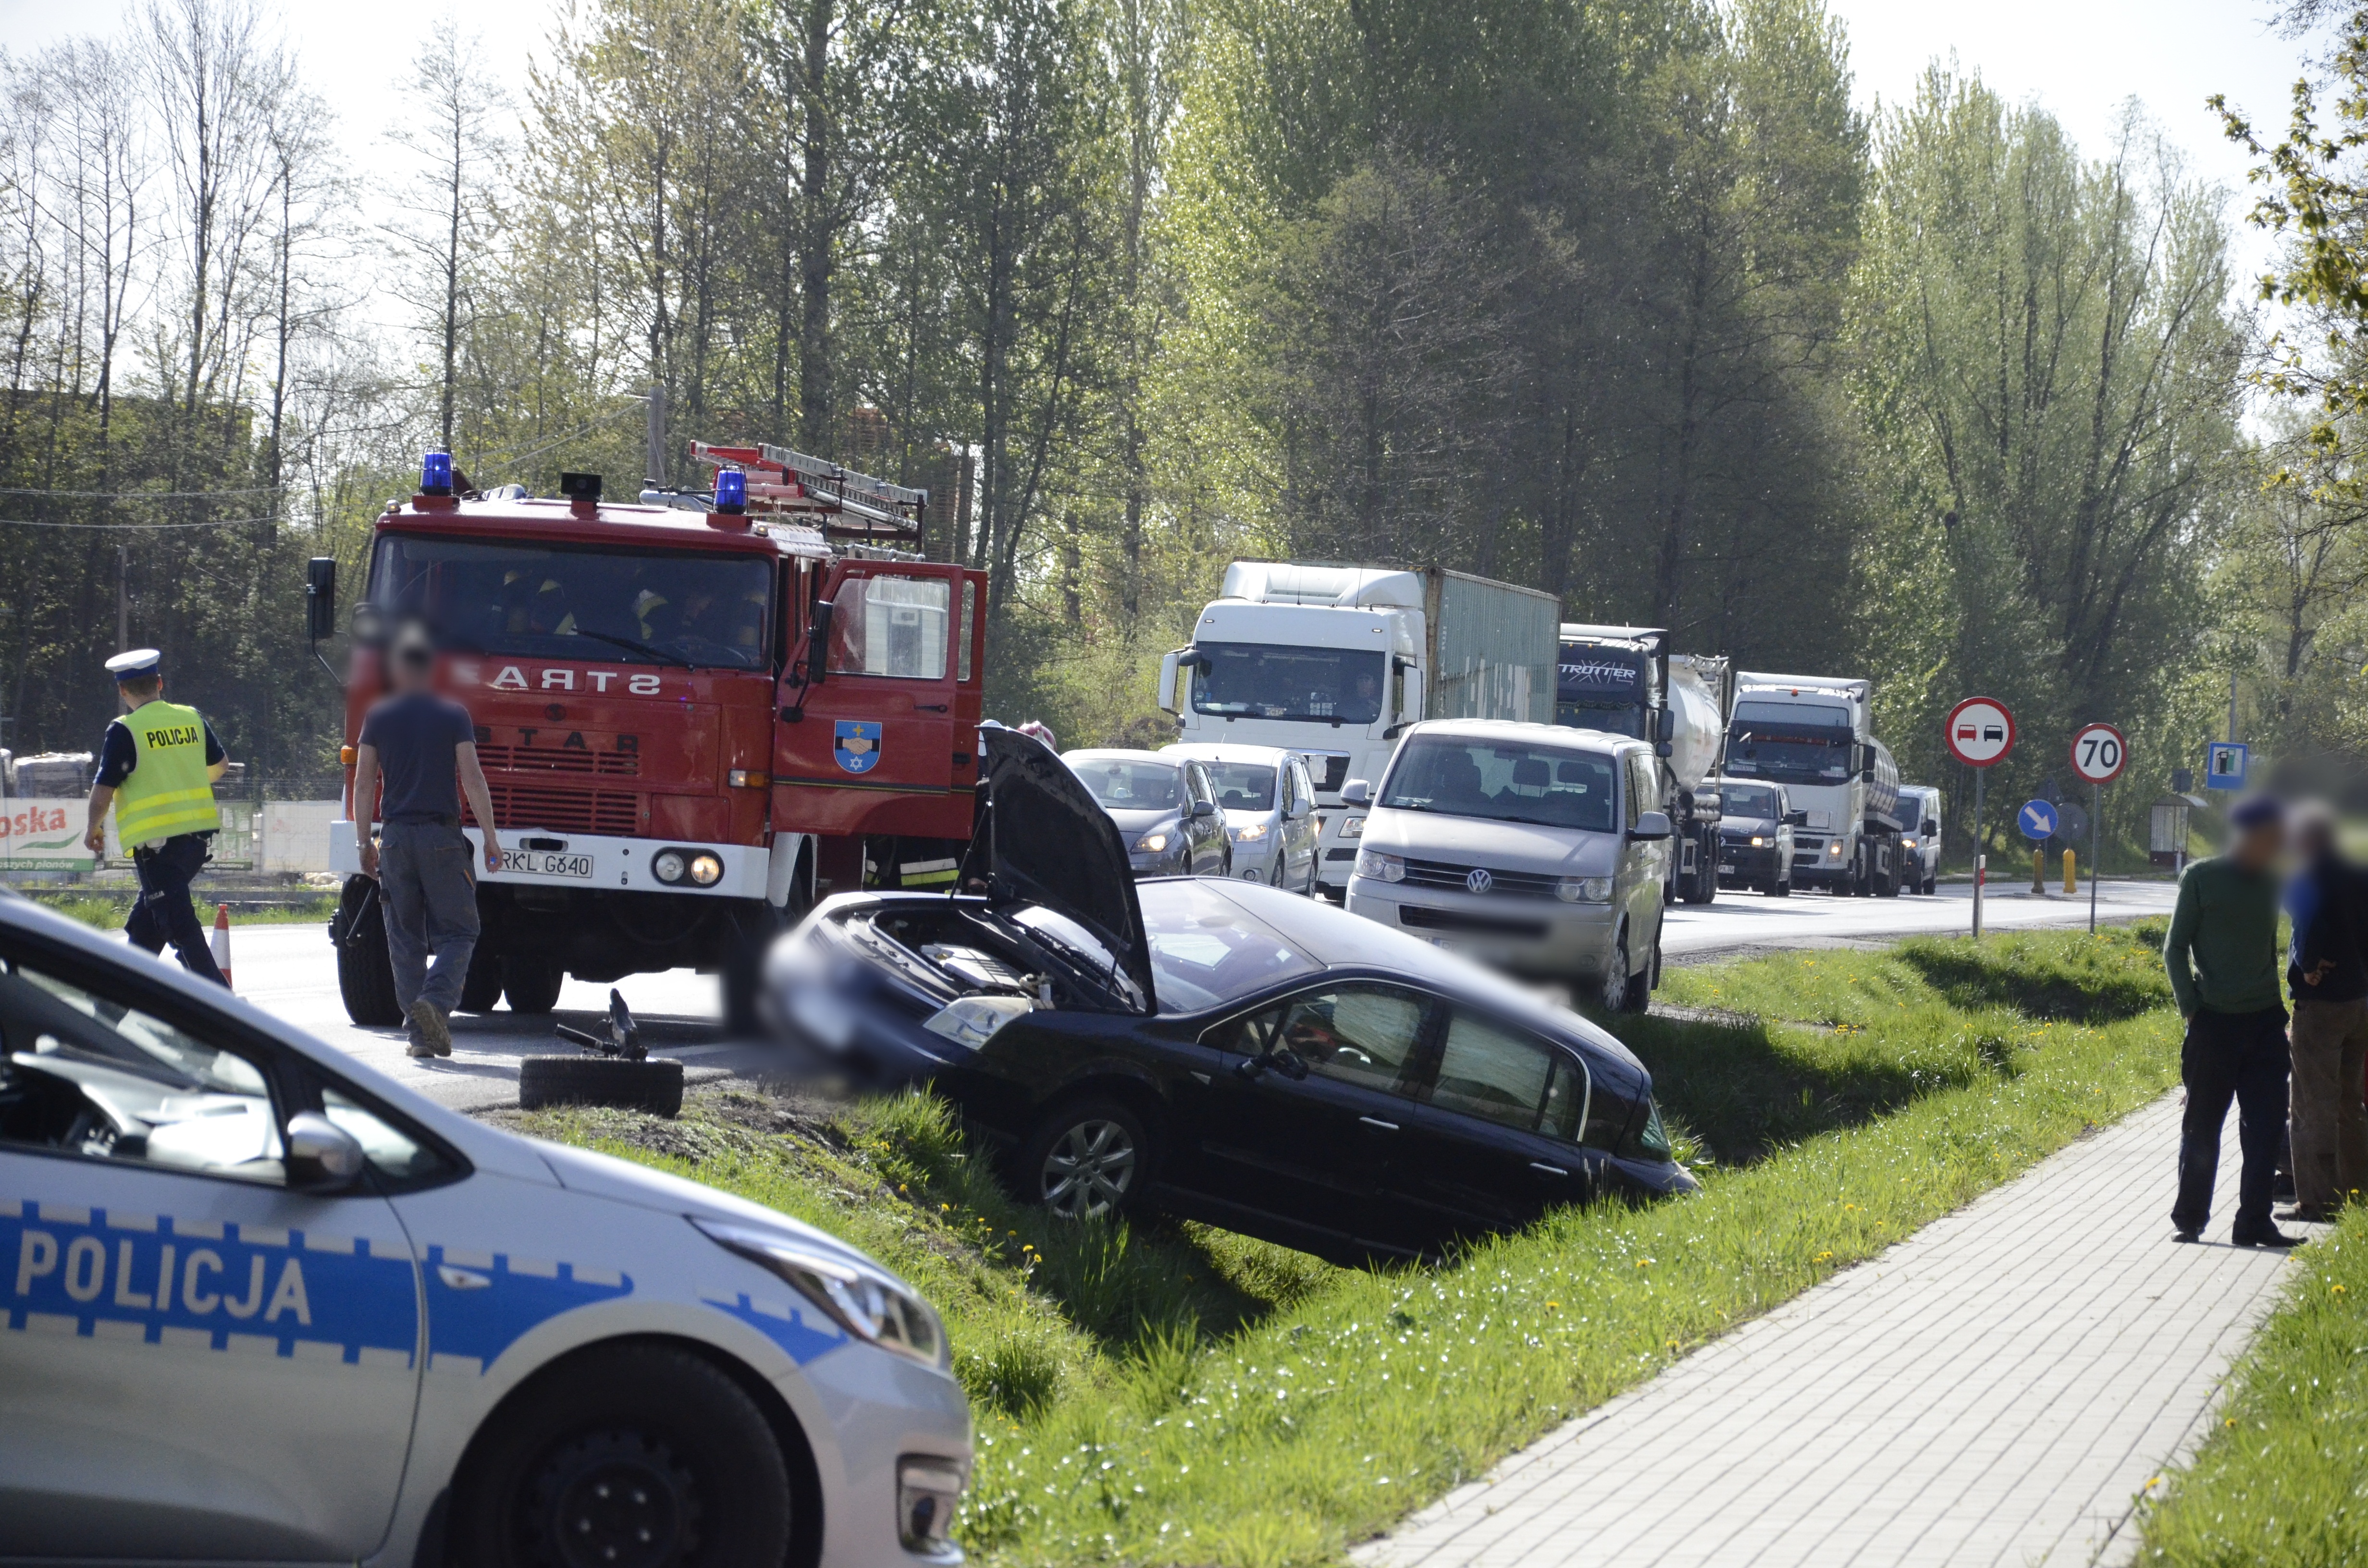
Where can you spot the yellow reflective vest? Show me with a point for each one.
(167, 792)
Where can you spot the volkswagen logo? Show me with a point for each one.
(1478, 880)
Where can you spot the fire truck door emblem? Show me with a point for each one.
(856, 745)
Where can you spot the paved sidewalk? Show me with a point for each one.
(1996, 1388)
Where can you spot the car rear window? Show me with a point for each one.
(1206, 951)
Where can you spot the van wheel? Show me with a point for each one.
(1781, 889)
(365, 969)
(638, 1455)
(532, 981)
(1089, 1160)
(1613, 996)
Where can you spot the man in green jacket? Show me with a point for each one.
(2223, 955)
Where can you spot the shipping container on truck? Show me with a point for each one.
(1623, 681)
(1815, 735)
(1335, 660)
(696, 714)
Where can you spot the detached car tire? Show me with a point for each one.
(636, 1455)
(1089, 1160)
(365, 969)
(653, 1084)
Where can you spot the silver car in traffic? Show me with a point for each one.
(1269, 807)
(1535, 848)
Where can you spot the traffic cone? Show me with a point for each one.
(222, 940)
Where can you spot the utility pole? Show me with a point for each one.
(123, 597)
(657, 437)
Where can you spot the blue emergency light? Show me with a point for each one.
(730, 491)
(436, 474)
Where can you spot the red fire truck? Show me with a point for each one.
(695, 713)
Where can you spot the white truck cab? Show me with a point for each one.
(1333, 662)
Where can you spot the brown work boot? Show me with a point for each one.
(434, 1033)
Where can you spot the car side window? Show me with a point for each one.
(1634, 802)
(1565, 1101)
(1500, 1074)
(1283, 792)
(83, 1074)
(1365, 1035)
(1197, 777)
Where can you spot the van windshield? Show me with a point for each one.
(705, 609)
(1746, 800)
(1497, 782)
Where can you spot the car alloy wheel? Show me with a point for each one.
(615, 1499)
(1091, 1168)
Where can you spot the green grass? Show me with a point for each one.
(2283, 1482)
(108, 911)
(1177, 1394)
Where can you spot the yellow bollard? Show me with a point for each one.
(2071, 873)
(2039, 870)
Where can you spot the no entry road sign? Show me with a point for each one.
(2099, 753)
(1980, 731)
(2037, 820)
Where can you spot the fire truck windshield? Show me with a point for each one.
(564, 602)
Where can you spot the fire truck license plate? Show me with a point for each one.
(546, 863)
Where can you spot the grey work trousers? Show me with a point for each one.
(2329, 1122)
(430, 899)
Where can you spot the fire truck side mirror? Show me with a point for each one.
(321, 598)
(818, 643)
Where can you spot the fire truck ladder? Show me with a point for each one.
(791, 486)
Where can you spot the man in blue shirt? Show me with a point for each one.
(2328, 972)
(420, 745)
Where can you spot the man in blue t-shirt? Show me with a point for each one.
(419, 745)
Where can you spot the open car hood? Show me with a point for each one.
(1050, 844)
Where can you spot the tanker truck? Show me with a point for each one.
(1625, 680)
(1815, 735)
(1334, 662)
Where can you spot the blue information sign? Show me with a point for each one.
(2037, 820)
(2224, 765)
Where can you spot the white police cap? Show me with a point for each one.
(135, 664)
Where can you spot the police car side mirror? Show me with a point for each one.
(321, 598)
(320, 1153)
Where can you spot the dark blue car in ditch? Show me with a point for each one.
(1215, 1050)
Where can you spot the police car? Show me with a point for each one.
(259, 1303)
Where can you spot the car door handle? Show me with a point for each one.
(1544, 1169)
(1377, 1121)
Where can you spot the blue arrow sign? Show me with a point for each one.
(2037, 820)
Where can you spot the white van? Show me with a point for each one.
(1538, 848)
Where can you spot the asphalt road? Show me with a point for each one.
(289, 971)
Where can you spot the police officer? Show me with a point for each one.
(156, 768)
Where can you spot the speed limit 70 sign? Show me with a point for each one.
(2099, 753)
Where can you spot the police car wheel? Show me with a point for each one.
(632, 1456)
(1090, 1160)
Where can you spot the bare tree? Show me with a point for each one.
(451, 128)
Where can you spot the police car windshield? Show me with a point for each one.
(579, 602)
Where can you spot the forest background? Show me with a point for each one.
(1622, 299)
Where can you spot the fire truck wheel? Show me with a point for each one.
(743, 973)
(532, 981)
(480, 989)
(654, 1085)
(365, 972)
